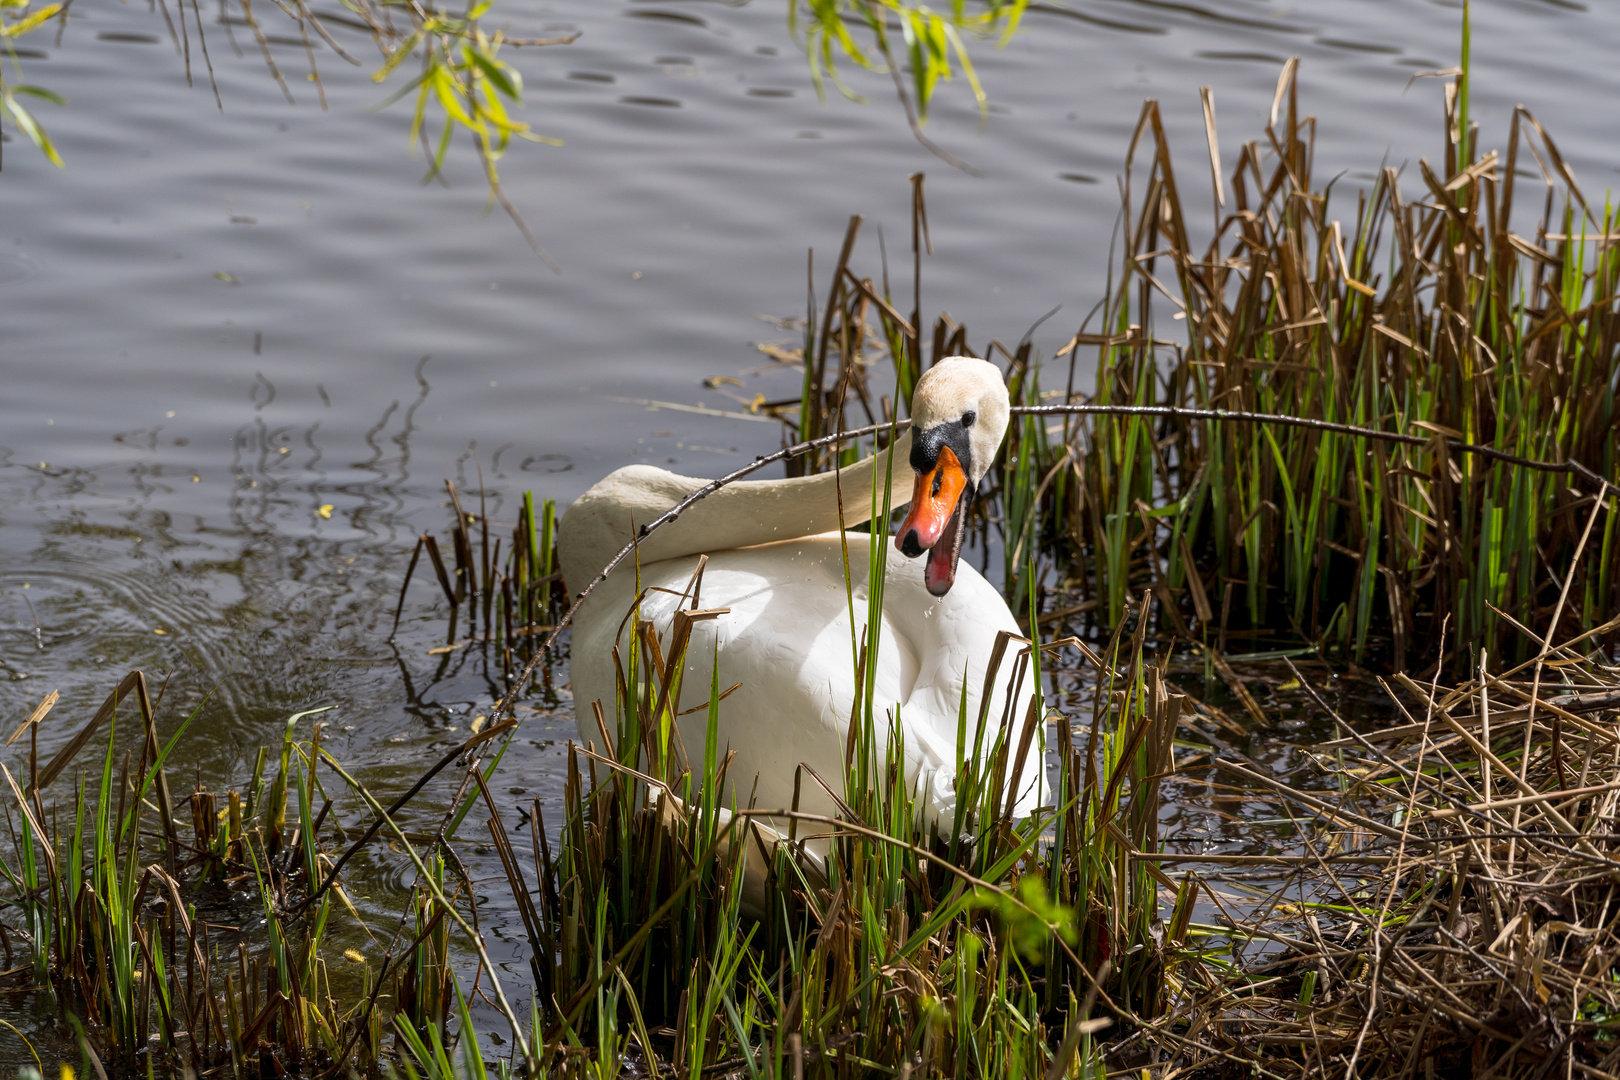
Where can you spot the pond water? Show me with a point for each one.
(214, 323)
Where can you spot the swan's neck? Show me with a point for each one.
(739, 515)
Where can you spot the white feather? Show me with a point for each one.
(777, 561)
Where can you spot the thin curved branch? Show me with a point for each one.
(504, 708)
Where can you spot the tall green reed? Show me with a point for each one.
(1424, 314)
(974, 945)
(112, 908)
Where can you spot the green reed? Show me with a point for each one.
(672, 927)
(1430, 317)
(110, 903)
(1417, 318)
(516, 599)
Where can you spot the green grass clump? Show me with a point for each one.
(1000, 947)
(210, 952)
(1427, 317)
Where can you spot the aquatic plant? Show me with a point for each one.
(1457, 384)
(116, 907)
(1458, 329)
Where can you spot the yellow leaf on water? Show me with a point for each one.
(1291, 684)
(160, 632)
(325, 511)
(355, 955)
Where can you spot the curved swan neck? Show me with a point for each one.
(739, 515)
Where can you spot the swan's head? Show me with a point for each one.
(958, 417)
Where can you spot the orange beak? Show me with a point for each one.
(934, 522)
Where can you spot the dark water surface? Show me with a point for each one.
(213, 324)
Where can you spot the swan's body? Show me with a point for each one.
(777, 560)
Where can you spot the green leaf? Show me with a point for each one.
(40, 92)
(1032, 918)
(163, 755)
(397, 57)
(506, 80)
(472, 796)
(967, 69)
(444, 86)
(444, 147)
(30, 127)
(1013, 14)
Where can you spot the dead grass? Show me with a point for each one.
(1454, 911)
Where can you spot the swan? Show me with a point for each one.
(776, 560)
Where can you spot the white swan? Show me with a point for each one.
(776, 559)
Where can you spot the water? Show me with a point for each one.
(213, 324)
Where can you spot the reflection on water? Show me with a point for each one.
(259, 611)
(259, 605)
(251, 614)
(217, 324)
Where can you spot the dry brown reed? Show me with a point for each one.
(1453, 911)
(1426, 314)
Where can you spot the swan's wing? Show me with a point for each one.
(787, 644)
(955, 636)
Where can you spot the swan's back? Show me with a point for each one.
(777, 561)
(787, 640)
(741, 514)
(606, 517)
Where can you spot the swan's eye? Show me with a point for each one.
(968, 418)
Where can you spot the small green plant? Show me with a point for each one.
(931, 40)
(18, 17)
(1031, 917)
(108, 897)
